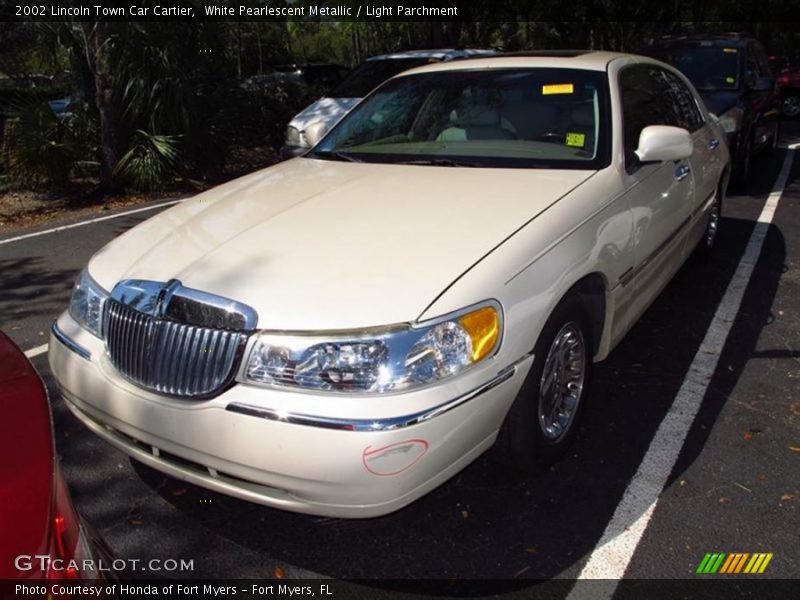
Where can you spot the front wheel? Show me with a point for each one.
(776, 136)
(542, 421)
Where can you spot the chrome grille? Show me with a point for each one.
(169, 357)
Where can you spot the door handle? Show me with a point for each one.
(682, 172)
(713, 144)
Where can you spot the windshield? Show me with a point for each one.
(371, 73)
(548, 118)
(707, 67)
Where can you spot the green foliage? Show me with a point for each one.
(149, 161)
(175, 87)
(41, 148)
(177, 82)
(321, 42)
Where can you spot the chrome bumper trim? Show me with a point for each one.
(76, 348)
(389, 424)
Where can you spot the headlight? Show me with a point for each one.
(294, 137)
(86, 305)
(731, 120)
(378, 360)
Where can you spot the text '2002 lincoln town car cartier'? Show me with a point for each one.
(341, 333)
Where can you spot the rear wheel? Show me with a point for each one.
(542, 421)
(791, 105)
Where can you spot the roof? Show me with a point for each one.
(440, 53)
(732, 39)
(583, 59)
(561, 53)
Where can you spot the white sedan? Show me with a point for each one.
(343, 332)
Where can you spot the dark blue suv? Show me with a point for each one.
(732, 74)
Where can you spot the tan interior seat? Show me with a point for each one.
(474, 123)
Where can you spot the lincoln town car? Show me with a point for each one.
(343, 332)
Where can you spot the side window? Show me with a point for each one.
(645, 101)
(690, 116)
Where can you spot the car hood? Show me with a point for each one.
(719, 101)
(325, 110)
(315, 244)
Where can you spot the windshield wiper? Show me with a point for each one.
(440, 162)
(335, 155)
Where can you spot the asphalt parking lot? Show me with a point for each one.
(734, 488)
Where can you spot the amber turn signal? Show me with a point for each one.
(483, 327)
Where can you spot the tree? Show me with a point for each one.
(100, 38)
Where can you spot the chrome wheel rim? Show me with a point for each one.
(561, 385)
(713, 224)
(791, 106)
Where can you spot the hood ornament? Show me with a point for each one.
(172, 301)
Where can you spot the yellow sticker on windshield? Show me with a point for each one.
(576, 140)
(558, 88)
(730, 80)
(729, 50)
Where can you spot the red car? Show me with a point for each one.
(41, 535)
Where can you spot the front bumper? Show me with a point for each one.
(283, 449)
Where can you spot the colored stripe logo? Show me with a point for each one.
(733, 563)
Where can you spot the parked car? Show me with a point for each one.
(341, 333)
(368, 75)
(789, 84)
(63, 108)
(322, 76)
(732, 74)
(45, 539)
(778, 64)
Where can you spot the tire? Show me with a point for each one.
(532, 437)
(790, 105)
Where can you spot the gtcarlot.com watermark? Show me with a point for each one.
(45, 563)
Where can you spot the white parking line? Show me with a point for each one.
(614, 551)
(89, 222)
(36, 351)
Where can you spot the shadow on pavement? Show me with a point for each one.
(30, 287)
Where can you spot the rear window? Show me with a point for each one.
(707, 67)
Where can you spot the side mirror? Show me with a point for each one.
(662, 142)
(763, 84)
(314, 132)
